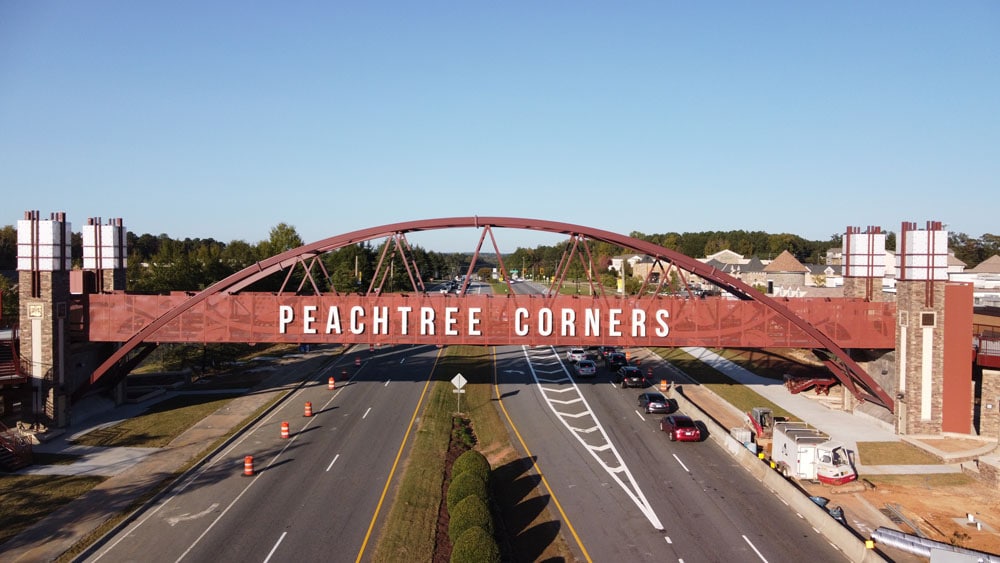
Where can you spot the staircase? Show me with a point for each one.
(10, 368)
(15, 449)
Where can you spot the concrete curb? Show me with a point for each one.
(840, 536)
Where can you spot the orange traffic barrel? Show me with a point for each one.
(343, 373)
(248, 466)
(649, 373)
(284, 430)
(357, 360)
(331, 385)
(309, 409)
(663, 385)
(371, 348)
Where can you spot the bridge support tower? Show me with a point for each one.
(933, 337)
(49, 289)
(43, 264)
(864, 268)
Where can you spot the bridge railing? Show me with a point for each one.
(987, 351)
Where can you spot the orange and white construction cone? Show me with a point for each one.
(284, 430)
(331, 384)
(248, 466)
(663, 385)
(309, 409)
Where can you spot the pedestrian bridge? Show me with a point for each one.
(231, 311)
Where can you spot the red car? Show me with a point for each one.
(680, 427)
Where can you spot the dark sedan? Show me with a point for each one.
(680, 427)
(656, 403)
(630, 376)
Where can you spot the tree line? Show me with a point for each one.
(163, 264)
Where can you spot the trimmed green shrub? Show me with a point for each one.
(474, 462)
(463, 485)
(469, 513)
(475, 545)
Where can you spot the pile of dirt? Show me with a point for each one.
(939, 512)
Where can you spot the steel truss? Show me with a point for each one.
(848, 372)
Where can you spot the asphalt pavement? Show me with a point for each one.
(134, 472)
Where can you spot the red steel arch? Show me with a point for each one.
(848, 372)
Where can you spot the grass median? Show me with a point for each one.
(736, 394)
(409, 529)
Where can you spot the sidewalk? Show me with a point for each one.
(133, 472)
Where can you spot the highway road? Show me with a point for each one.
(630, 494)
(626, 493)
(314, 495)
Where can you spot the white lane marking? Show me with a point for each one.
(366, 413)
(639, 414)
(617, 473)
(188, 516)
(387, 382)
(219, 517)
(401, 360)
(754, 548)
(569, 402)
(563, 390)
(668, 539)
(221, 456)
(332, 462)
(275, 548)
(682, 463)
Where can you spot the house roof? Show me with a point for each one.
(820, 269)
(989, 266)
(726, 257)
(954, 261)
(785, 262)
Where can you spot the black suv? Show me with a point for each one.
(614, 360)
(630, 376)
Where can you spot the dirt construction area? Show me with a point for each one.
(922, 504)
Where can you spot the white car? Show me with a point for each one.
(576, 354)
(586, 368)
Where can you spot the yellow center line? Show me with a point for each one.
(395, 463)
(534, 464)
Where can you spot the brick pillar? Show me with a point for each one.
(44, 343)
(920, 362)
(989, 414)
(43, 264)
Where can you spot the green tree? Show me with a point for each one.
(283, 237)
(8, 248)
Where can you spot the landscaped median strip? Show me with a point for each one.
(409, 529)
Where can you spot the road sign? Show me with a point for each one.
(458, 381)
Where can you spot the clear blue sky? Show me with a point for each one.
(222, 119)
